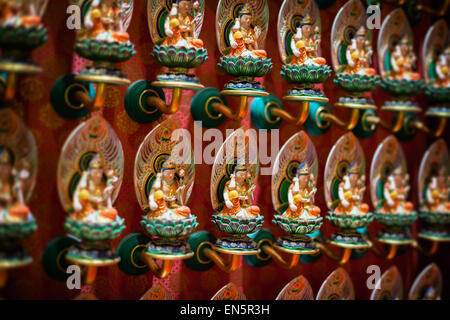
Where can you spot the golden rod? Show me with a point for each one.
(439, 12)
(160, 272)
(430, 252)
(91, 274)
(350, 124)
(342, 260)
(279, 259)
(220, 108)
(297, 121)
(162, 106)
(10, 89)
(439, 131)
(230, 267)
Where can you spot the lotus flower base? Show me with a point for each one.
(396, 220)
(22, 38)
(95, 253)
(94, 231)
(169, 229)
(439, 94)
(349, 221)
(297, 226)
(395, 235)
(238, 243)
(16, 230)
(349, 238)
(431, 217)
(13, 255)
(305, 73)
(403, 88)
(237, 226)
(356, 82)
(296, 243)
(173, 247)
(245, 66)
(112, 52)
(179, 57)
(435, 233)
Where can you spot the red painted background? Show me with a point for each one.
(57, 58)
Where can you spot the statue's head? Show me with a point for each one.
(360, 37)
(306, 25)
(404, 45)
(240, 173)
(96, 167)
(168, 171)
(246, 16)
(303, 174)
(353, 173)
(184, 7)
(6, 163)
(397, 174)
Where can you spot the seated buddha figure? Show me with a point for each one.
(350, 193)
(438, 192)
(305, 44)
(395, 192)
(238, 195)
(104, 21)
(180, 25)
(164, 198)
(92, 198)
(12, 205)
(301, 196)
(403, 61)
(244, 37)
(359, 54)
(443, 69)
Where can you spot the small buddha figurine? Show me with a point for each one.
(443, 69)
(164, 198)
(12, 204)
(438, 192)
(301, 195)
(395, 192)
(403, 61)
(180, 24)
(9, 12)
(30, 17)
(238, 195)
(359, 54)
(244, 37)
(351, 192)
(305, 44)
(92, 198)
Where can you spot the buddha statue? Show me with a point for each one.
(305, 44)
(238, 195)
(359, 54)
(437, 194)
(350, 193)
(180, 25)
(165, 199)
(244, 37)
(443, 69)
(403, 61)
(92, 198)
(301, 196)
(12, 203)
(19, 13)
(395, 192)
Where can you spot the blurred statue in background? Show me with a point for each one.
(359, 55)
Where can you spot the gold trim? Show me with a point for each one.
(364, 121)
(300, 252)
(102, 79)
(170, 257)
(326, 124)
(248, 93)
(207, 111)
(59, 258)
(356, 106)
(94, 263)
(9, 265)
(305, 98)
(397, 242)
(259, 246)
(437, 114)
(197, 252)
(140, 101)
(178, 85)
(266, 109)
(349, 246)
(236, 252)
(17, 67)
(66, 96)
(142, 266)
(399, 108)
(431, 238)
